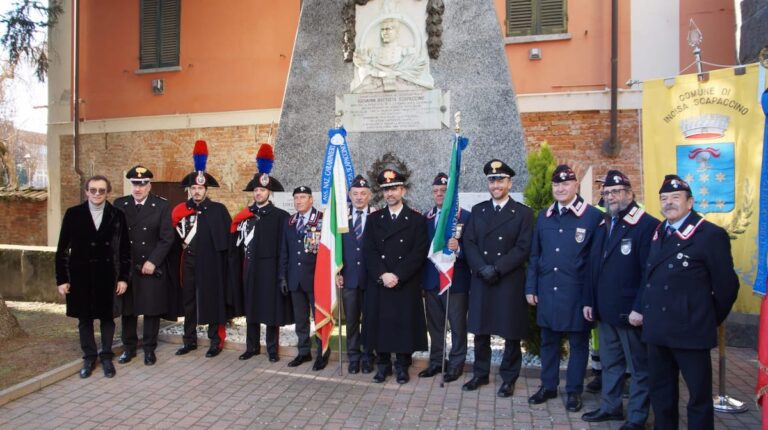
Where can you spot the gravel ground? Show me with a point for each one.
(236, 333)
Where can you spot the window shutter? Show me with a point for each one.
(169, 33)
(552, 16)
(520, 17)
(149, 36)
(159, 44)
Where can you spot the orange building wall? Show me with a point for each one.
(225, 69)
(717, 21)
(581, 63)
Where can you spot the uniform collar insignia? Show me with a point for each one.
(579, 206)
(552, 209)
(634, 215)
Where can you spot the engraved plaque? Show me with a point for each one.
(393, 111)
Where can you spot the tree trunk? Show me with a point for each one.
(9, 325)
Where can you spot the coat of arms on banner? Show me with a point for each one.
(709, 168)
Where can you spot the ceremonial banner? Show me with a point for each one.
(329, 256)
(710, 133)
(442, 257)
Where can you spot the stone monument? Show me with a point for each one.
(396, 71)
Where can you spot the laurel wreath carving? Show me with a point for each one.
(386, 161)
(435, 11)
(741, 219)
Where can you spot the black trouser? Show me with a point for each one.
(665, 365)
(88, 339)
(189, 298)
(509, 370)
(457, 321)
(130, 337)
(253, 337)
(402, 360)
(353, 303)
(303, 308)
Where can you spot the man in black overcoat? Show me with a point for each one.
(689, 289)
(151, 236)
(617, 259)
(258, 231)
(93, 260)
(202, 226)
(352, 280)
(497, 242)
(395, 248)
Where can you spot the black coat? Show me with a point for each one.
(617, 263)
(690, 285)
(393, 319)
(558, 267)
(504, 240)
(92, 261)
(298, 252)
(258, 237)
(211, 246)
(151, 237)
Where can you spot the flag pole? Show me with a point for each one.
(341, 356)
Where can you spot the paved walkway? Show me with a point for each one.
(197, 392)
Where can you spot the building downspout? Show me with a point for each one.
(612, 146)
(76, 99)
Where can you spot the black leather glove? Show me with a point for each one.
(489, 274)
(284, 287)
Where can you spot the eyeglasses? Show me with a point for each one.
(97, 191)
(612, 193)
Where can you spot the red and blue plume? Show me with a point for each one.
(265, 158)
(200, 155)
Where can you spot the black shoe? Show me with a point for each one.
(506, 389)
(354, 367)
(596, 384)
(366, 367)
(273, 357)
(402, 376)
(631, 426)
(430, 371)
(109, 368)
(213, 352)
(299, 360)
(248, 354)
(451, 375)
(320, 363)
(573, 404)
(186, 349)
(542, 396)
(475, 383)
(126, 357)
(598, 415)
(381, 375)
(88, 366)
(150, 358)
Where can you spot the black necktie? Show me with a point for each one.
(498, 208)
(670, 230)
(357, 226)
(563, 211)
(138, 207)
(394, 217)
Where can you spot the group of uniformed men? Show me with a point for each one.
(657, 290)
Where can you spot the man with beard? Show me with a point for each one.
(690, 287)
(557, 276)
(259, 232)
(395, 248)
(203, 229)
(497, 244)
(437, 304)
(151, 234)
(618, 255)
(298, 255)
(93, 260)
(352, 278)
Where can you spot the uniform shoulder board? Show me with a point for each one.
(602, 222)
(161, 198)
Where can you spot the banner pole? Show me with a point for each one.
(723, 402)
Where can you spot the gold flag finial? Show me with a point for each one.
(457, 122)
(337, 120)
